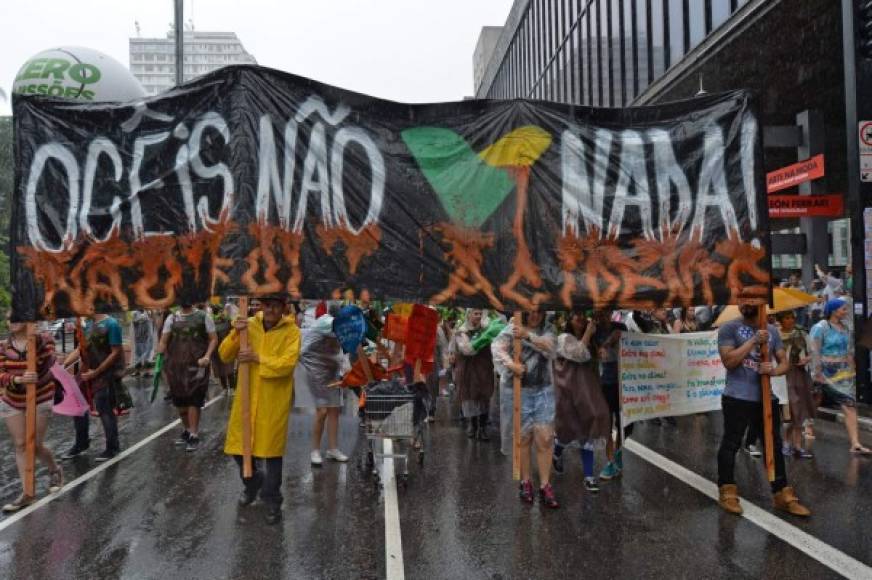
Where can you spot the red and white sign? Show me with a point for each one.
(793, 175)
(793, 206)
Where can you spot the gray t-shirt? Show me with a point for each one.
(743, 382)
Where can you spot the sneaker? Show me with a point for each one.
(183, 438)
(193, 443)
(525, 491)
(753, 451)
(619, 459)
(74, 451)
(106, 456)
(610, 471)
(557, 464)
(273, 515)
(55, 480)
(247, 498)
(22, 502)
(803, 453)
(591, 484)
(315, 459)
(336, 455)
(786, 450)
(547, 497)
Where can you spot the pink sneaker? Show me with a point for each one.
(525, 491)
(547, 497)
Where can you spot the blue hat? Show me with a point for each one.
(833, 305)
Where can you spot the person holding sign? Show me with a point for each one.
(537, 397)
(274, 348)
(13, 402)
(474, 373)
(582, 413)
(102, 355)
(187, 341)
(739, 344)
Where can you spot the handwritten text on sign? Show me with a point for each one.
(667, 375)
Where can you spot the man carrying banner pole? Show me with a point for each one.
(268, 363)
(743, 346)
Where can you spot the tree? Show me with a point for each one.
(6, 184)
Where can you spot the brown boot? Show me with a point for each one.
(786, 501)
(729, 499)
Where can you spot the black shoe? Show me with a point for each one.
(74, 451)
(472, 427)
(482, 433)
(591, 484)
(106, 456)
(273, 514)
(183, 438)
(193, 443)
(248, 497)
(557, 464)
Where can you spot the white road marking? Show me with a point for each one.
(69, 486)
(393, 541)
(827, 555)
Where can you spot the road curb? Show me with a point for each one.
(865, 423)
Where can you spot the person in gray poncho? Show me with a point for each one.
(321, 359)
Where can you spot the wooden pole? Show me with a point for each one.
(416, 373)
(516, 406)
(30, 416)
(364, 364)
(245, 395)
(766, 399)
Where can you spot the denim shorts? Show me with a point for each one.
(838, 397)
(537, 407)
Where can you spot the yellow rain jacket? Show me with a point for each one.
(271, 384)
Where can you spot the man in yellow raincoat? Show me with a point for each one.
(274, 347)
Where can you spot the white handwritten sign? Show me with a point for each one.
(664, 375)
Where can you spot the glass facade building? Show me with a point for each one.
(602, 53)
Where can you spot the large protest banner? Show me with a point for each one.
(251, 181)
(664, 375)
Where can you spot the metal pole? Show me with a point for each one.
(857, 75)
(180, 41)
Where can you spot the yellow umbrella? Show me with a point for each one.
(784, 298)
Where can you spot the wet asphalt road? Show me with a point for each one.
(161, 513)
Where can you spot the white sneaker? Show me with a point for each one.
(753, 451)
(315, 458)
(336, 455)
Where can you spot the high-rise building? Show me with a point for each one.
(808, 64)
(153, 60)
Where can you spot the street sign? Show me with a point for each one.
(793, 175)
(793, 206)
(865, 150)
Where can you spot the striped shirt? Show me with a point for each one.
(13, 363)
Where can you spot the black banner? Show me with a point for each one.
(252, 181)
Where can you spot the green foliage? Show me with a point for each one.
(6, 182)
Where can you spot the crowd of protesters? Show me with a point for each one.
(567, 367)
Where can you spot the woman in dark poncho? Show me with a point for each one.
(473, 375)
(582, 413)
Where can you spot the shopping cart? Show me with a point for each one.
(390, 413)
